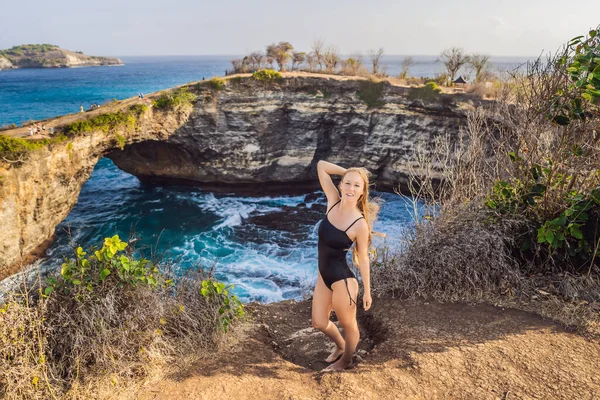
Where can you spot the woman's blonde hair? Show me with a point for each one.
(367, 207)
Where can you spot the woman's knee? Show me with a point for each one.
(320, 323)
(349, 326)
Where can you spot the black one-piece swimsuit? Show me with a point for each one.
(333, 246)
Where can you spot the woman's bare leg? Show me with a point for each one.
(346, 314)
(321, 309)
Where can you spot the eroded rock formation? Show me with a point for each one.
(246, 134)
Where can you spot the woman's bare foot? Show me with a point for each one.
(337, 353)
(340, 365)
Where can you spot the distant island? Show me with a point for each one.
(49, 56)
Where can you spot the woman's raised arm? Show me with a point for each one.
(325, 169)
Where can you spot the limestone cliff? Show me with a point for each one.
(49, 56)
(251, 133)
(5, 63)
(246, 132)
(36, 196)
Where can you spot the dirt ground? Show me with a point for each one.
(408, 350)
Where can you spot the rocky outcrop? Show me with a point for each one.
(36, 196)
(5, 63)
(49, 56)
(248, 133)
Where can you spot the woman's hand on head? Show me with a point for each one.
(367, 301)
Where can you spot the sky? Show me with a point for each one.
(181, 27)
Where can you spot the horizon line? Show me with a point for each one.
(364, 56)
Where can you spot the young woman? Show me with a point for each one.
(348, 220)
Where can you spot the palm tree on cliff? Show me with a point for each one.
(280, 52)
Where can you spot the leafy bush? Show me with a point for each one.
(120, 141)
(557, 187)
(429, 92)
(17, 150)
(175, 99)
(88, 272)
(232, 308)
(266, 75)
(102, 122)
(217, 84)
(371, 93)
(108, 320)
(138, 109)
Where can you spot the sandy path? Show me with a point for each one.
(412, 350)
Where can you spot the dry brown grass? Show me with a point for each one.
(100, 344)
(463, 250)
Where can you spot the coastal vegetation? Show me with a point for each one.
(109, 319)
(371, 93)
(327, 59)
(103, 122)
(17, 150)
(516, 220)
(429, 92)
(322, 58)
(174, 99)
(217, 83)
(21, 50)
(266, 75)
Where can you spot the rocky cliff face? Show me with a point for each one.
(36, 196)
(247, 133)
(5, 63)
(252, 133)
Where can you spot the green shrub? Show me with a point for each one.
(267, 75)
(570, 235)
(232, 308)
(175, 99)
(17, 150)
(88, 272)
(120, 140)
(217, 84)
(138, 109)
(102, 122)
(429, 92)
(371, 92)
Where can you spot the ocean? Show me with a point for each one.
(266, 246)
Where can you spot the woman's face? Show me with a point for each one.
(352, 186)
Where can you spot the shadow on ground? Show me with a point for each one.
(391, 330)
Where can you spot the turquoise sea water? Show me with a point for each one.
(266, 246)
